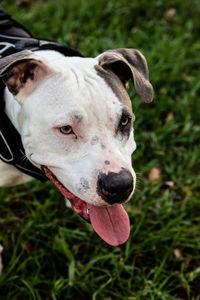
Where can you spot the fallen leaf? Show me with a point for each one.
(177, 253)
(186, 78)
(170, 13)
(154, 174)
(169, 183)
(169, 117)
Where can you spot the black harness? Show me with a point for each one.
(15, 38)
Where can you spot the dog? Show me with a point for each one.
(69, 119)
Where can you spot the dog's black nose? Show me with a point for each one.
(115, 187)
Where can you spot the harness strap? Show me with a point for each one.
(12, 151)
(10, 45)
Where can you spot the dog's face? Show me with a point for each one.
(76, 123)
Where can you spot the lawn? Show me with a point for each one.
(49, 252)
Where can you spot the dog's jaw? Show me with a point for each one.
(77, 204)
(111, 223)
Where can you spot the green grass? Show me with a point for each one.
(49, 252)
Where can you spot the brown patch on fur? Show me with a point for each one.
(7, 61)
(18, 68)
(17, 76)
(116, 84)
(128, 64)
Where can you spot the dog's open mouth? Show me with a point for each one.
(111, 223)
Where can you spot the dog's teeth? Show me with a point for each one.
(87, 211)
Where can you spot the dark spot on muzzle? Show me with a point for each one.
(94, 140)
(84, 183)
(115, 187)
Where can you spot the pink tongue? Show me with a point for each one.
(110, 223)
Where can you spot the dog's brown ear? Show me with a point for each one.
(129, 64)
(20, 70)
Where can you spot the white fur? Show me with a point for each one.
(71, 89)
(70, 92)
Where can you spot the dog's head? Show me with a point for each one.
(76, 122)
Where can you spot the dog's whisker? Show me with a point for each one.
(139, 177)
(23, 159)
(138, 186)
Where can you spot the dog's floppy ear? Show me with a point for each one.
(129, 64)
(20, 70)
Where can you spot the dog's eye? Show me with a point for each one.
(125, 120)
(125, 123)
(66, 129)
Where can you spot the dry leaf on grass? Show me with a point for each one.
(177, 253)
(169, 183)
(154, 174)
(170, 13)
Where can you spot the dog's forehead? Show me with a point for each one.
(90, 70)
(75, 90)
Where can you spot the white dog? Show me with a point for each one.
(75, 121)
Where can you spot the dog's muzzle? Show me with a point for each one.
(115, 187)
(110, 222)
